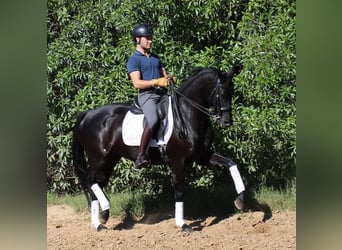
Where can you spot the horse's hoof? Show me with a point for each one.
(186, 228)
(101, 227)
(104, 216)
(239, 202)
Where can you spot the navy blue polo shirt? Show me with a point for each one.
(149, 67)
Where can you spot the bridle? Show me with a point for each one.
(215, 111)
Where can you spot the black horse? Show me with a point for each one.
(99, 134)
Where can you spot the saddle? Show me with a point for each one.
(134, 120)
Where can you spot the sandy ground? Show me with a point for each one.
(67, 229)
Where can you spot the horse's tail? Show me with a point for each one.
(79, 161)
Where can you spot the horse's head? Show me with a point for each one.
(210, 91)
(222, 100)
(223, 93)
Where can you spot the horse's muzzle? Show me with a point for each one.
(225, 122)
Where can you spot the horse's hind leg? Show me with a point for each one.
(217, 159)
(98, 199)
(98, 175)
(108, 170)
(95, 211)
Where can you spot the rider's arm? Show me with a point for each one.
(138, 83)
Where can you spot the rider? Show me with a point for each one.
(148, 75)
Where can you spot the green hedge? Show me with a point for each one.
(89, 43)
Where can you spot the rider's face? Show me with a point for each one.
(145, 42)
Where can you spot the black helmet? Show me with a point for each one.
(141, 30)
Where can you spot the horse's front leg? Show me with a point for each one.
(217, 159)
(178, 182)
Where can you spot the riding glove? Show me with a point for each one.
(161, 82)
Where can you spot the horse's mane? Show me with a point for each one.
(196, 73)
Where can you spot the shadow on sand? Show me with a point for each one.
(209, 214)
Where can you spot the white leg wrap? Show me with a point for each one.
(104, 203)
(179, 214)
(95, 209)
(239, 186)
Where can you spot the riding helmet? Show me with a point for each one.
(141, 30)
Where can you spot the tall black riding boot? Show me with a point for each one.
(143, 159)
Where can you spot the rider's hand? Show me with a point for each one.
(161, 82)
(171, 76)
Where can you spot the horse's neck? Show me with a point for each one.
(189, 109)
(198, 93)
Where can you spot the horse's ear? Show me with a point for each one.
(237, 68)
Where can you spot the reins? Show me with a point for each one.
(182, 129)
(208, 111)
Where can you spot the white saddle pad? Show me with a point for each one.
(132, 129)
